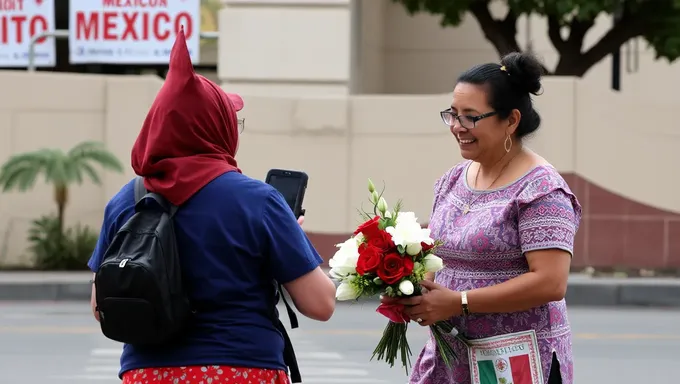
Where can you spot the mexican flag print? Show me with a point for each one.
(513, 370)
(506, 359)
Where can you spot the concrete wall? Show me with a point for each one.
(621, 172)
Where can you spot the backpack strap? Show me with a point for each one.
(140, 189)
(289, 357)
(141, 192)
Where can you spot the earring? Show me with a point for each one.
(507, 144)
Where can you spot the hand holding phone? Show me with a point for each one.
(292, 185)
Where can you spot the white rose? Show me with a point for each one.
(433, 263)
(406, 287)
(408, 231)
(344, 262)
(345, 292)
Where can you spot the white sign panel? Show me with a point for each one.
(20, 21)
(131, 31)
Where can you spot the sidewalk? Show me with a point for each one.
(583, 290)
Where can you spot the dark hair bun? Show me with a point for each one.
(525, 71)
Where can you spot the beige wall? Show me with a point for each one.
(335, 139)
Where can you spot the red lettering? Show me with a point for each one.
(136, 3)
(11, 5)
(184, 19)
(87, 27)
(19, 23)
(109, 25)
(162, 35)
(129, 19)
(37, 25)
(137, 26)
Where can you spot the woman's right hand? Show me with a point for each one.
(301, 220)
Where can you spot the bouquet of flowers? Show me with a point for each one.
(389, 254)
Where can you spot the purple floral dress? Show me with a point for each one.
(486, 247)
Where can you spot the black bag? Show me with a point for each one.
(140, 296)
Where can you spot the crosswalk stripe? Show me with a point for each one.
(325, 372)
(317, 366)
(106, 352)
(96, 368)
(343, 380)
(87, 377)
(318, 355)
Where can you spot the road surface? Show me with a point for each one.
(59, 343)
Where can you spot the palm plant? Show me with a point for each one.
(60, 169)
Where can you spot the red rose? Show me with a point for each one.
(394, 267)
(369, 259)
(382, 240)
(426, 247)
(370, 228)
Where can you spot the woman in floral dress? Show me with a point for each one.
(507, 219)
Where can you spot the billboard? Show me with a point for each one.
(20, 22)
(131, 31)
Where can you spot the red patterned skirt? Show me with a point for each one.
(213, 374)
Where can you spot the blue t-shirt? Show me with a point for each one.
(234, 236)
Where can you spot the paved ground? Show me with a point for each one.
(59, 343)
(582, 290)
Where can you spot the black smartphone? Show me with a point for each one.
(292, 185)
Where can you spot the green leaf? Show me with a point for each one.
(21, 171)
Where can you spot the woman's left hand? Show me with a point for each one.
(437, 303)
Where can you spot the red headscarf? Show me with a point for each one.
(190, 134)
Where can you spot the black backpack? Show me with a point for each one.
(139, 292)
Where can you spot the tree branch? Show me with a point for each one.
(628, 28)
(501, 33)
(554, 29)
(577, 33)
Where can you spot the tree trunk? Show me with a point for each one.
(501, 33)
(61, 198)
(573, 61)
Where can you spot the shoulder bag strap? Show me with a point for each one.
(289, 357)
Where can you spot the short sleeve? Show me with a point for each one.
(289, 251)
(549, 220)
(117, 212)
(105, 235)
(442, 184)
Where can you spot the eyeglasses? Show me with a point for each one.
(467, 122)
(241, 125)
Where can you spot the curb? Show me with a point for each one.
(582, 291)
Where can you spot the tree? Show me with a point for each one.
(59, 168)
(657, 21)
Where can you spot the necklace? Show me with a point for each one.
(466, 207)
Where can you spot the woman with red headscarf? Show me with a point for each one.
(235, 235)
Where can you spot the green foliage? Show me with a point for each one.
(59, 168)
(53, 250)
(657, 21)
(53, 246)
